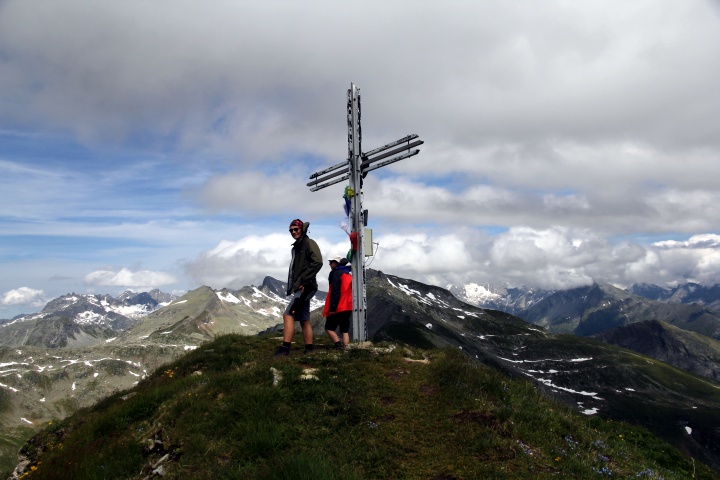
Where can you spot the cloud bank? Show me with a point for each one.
(555, 258)
(24, 296)
(124, 277)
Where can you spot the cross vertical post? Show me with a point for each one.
(359, 316)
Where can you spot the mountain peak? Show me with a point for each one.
(274, 285)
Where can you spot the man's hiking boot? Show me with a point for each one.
(338, 346)
(281, 351)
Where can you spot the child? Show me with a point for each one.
(338, 304)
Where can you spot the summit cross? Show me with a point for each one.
(355, 169)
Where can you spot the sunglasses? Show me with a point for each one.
(293, 230)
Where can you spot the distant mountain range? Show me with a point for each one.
(641, 319)
(597, 308)
(76, 320)
(521, 299)
(688, 293)
(509, 300)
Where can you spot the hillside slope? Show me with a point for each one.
(595, 378)
(37, 386)
(687, 350)
(230, 410)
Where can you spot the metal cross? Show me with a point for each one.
(355, 169)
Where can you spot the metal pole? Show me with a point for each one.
(359, 326)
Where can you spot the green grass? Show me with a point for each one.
(10, 443)
(215, 413)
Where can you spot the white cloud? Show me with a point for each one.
(696, 260)
(554, 258)
(258, 193)
(127, 278)
(24, 296)
(238, 263)
(695, 242)
(609, 207)
(422, 254)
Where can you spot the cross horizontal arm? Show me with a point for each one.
(320, 187)
(317, 180)
(392, 160)
(390, 145)
(368, 161)
(329, 169)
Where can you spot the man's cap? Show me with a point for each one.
(297, 223)
(336, 259)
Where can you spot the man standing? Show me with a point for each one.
(305, 263)
(338, 303)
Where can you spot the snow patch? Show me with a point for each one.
(549, 383)
(227, 297)
(131, 311)
(9, 387)
(3, 365)
(89, 317)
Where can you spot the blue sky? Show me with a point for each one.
(167, 144)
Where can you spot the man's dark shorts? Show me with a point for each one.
(341, 319)
(299, 306)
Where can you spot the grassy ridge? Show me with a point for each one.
(215, 413)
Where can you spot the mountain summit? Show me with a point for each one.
(230, 410)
